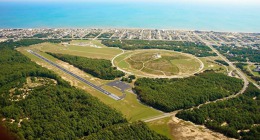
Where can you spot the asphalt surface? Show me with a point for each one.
(77, 77)
(120, 85)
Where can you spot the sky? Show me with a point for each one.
(233, 2)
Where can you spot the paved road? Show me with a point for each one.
(242, 75)
(165, 115)
(77, 77)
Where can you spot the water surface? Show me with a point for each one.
(130, 15)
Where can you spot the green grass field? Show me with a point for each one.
(210, 64)
(161, 126)
(130, 107)
(252, 68)
(157, 63)
(89, 48)
(134, 64)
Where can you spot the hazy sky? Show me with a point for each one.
(229, 2)
(193, 1)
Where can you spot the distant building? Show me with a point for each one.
(65, 43)
(257, 69)
(157, 56)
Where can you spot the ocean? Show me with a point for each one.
(130, 15)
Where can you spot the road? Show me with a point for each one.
(242, 76)
(165, 115)
(248, 67)
(113, 96)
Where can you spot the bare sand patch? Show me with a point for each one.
(183, 130)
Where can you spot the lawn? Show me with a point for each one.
(157, 63)
(210, 64)
(161, 126)
(253, 67)
(90, 48)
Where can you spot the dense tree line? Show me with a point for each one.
(105, 35)
(238, 117)
(13, 66)
(57, 112)
(53, 111)
(134, 131)
(42, 35)
(240, 54)
(100, 68)
(196, 49)
(173, 94)
(222, 62)
(27, 42)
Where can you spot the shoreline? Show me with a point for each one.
(126, 28)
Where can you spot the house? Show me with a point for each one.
(257, 69)
(157, 56)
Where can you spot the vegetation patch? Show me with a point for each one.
(173, 94)
(244, 67)
(126, 131)
(85, 48)
(131, 108)
(134, 64)
(51, 110)
(21, 91)
(237, 117)
(54, 110)
(196, 49)
(92, 35)
(105, 35)
(158, 63)
(240, 54)
(222, 62)
(162, 126)
(100, 68)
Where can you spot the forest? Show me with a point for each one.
(239, 54)
(222, 62)
(50, 111)
(100, 68)
(126, 132)
(238, 117)
(173, 94)
(14, 65)
(196, 49)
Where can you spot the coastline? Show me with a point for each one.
(220, 18)
(128, 28)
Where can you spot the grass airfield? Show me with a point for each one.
(158, 63)
(170, 63)
(130, 107)
(85, 48)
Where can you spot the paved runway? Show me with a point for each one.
(77, 77)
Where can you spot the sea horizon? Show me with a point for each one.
(173, 16)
